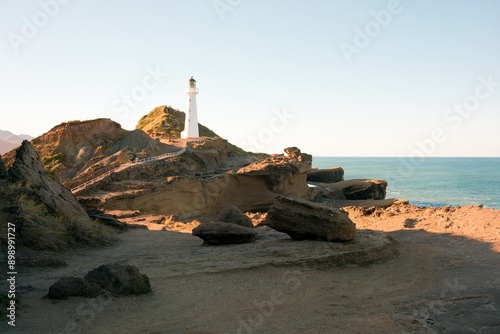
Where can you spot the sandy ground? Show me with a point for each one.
(445, 279)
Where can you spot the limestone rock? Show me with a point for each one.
(278, 170)
(365, 189)
(293, 152)
(3, 169)
(73, 287)
(221, 233)
(120, 279)
(303, 220)
(358, 189)
(329, 175)
(29, 173)
(231, 214)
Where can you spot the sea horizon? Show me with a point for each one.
(432, 181)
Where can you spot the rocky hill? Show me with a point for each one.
(166, 122)
(73, 152)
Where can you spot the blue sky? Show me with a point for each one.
(271, 74)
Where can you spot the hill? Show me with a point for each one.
(9, 141)
(165, 122)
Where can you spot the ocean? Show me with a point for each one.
(428, 181)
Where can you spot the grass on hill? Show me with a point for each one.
(167, 122)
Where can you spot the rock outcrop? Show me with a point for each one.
(233, 215)
(46, 215)
(170, 188)
(29, 174)
(329, 175)
(350, 190)
(120, 279)
(73, 287)
(220, 233)
(279, 170)
(303, 220)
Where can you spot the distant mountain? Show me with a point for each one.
(8, 140)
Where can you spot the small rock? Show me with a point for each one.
(231, 214)
(410, 222)
(120, 279)
(222, 233)
(73, 287)
(293, 152)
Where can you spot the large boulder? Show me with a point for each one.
(221, 233)
(231, 214)
(365, 189)
(305, 220)
(28, 172)
(120, 279)
(329, 175)
(73, 287)
(357, 189)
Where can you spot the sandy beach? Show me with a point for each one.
(443, 279)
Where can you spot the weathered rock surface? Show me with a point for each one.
(329, 175)
(221, 233)
(188, 195)
(358, 189)
(3, 169)
(120, 279)
(278, 170)
(364, 189)
(28, 173)
(303, 220)
(73, 287)
(233, 215)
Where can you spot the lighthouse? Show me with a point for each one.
(191, 122)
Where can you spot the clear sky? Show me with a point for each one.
(335, 78)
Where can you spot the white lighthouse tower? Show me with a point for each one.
(191, 123)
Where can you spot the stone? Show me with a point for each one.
(73, 287)
(305, 220)
(366, 189)
(28, 172)
(231, 214)
(293, 152)
(329, 175)
(357, 189)
(120, 279)
(410, 222)
(222, 233)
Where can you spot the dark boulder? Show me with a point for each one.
(365, 189)
(73, 287)
(231, 214)
(120, 279)
(302, 220)
(326, 175)
(221, 233)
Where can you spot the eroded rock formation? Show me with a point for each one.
(329, 175)
(303, 220)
